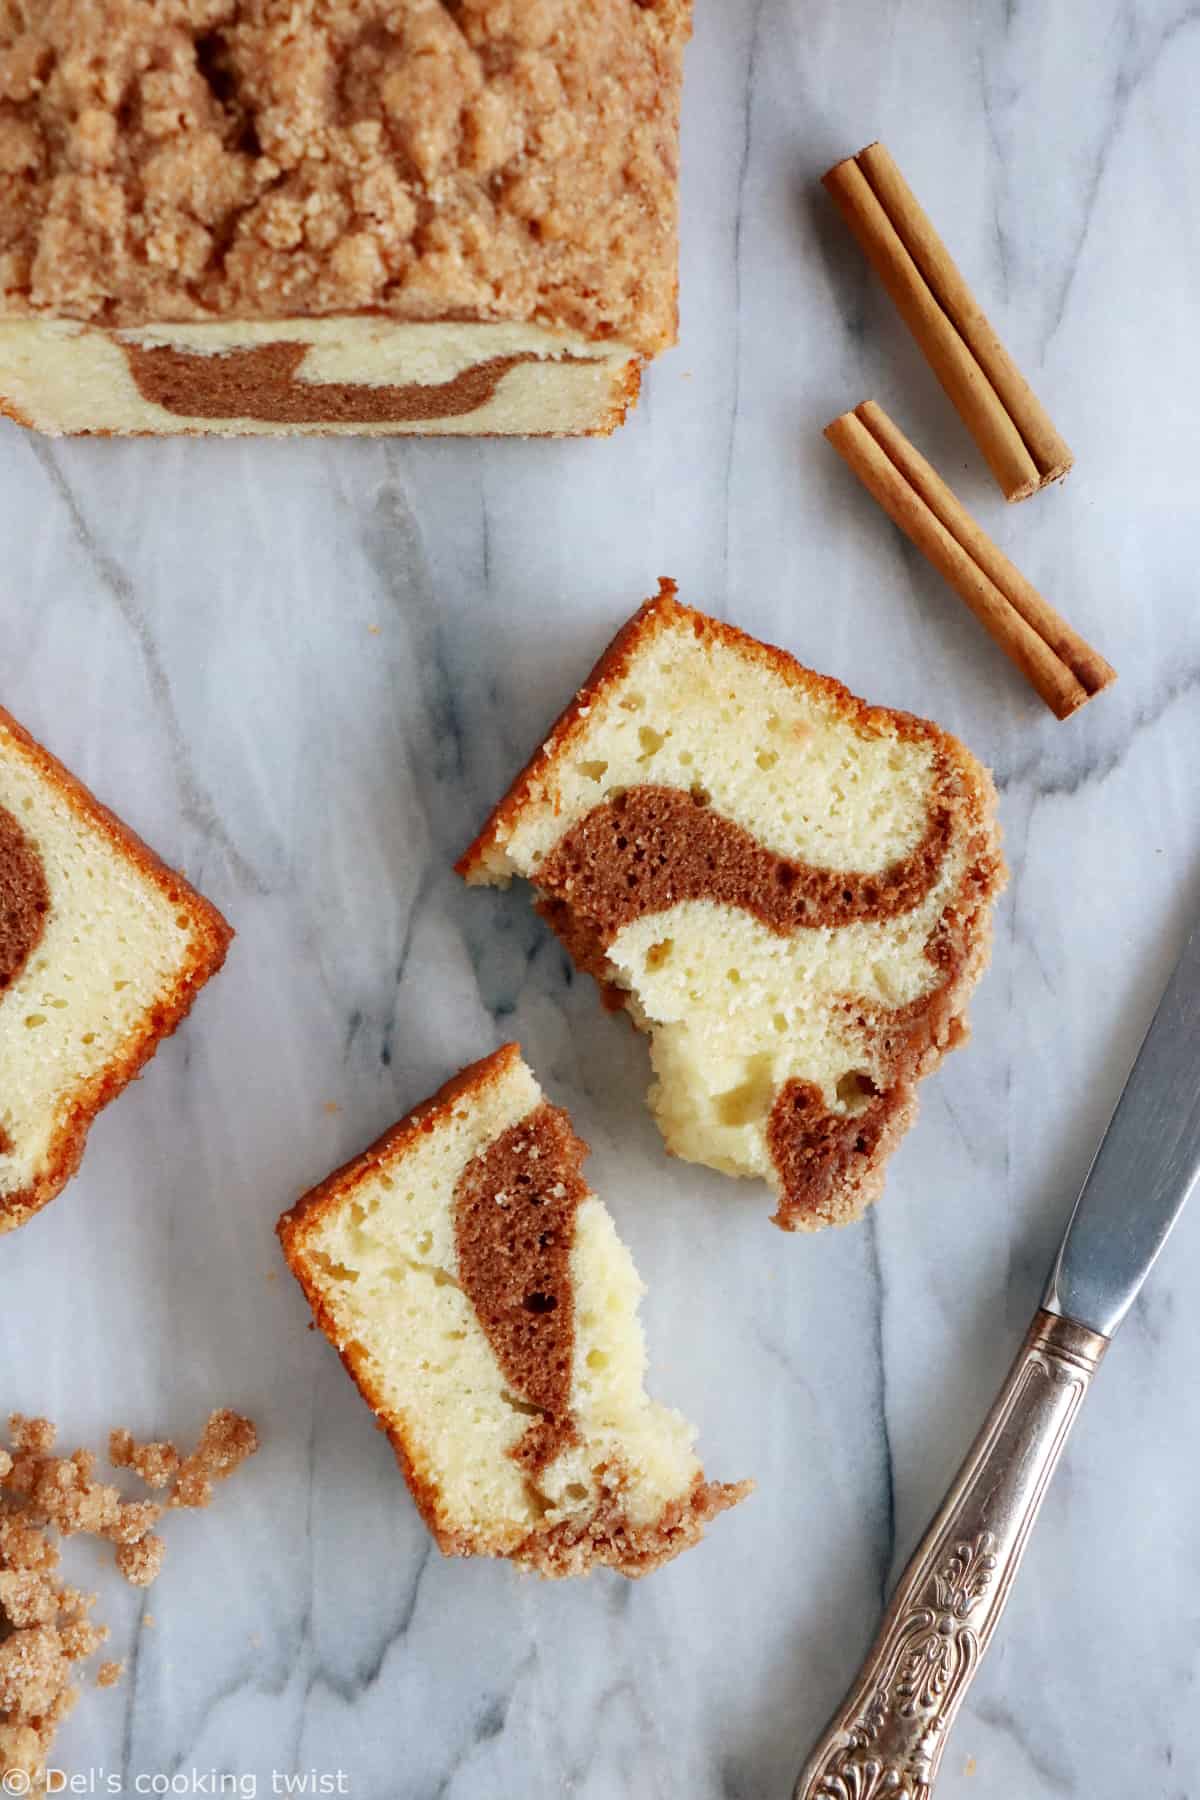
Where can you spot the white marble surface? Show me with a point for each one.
(191, 627)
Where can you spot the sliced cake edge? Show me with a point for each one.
(211, 935)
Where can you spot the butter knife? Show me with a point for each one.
(885, 1741)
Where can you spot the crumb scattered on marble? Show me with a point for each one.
(44, 1625)
(156, 1464)
(331, 1106)
(225, 1443)
(141, 1562)
(374, 630)
(971, 1767)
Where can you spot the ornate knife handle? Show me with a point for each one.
(887, 1738)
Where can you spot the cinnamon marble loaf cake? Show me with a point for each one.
(380, 216)
(102, 952)
(788, 889)
(478, 1294)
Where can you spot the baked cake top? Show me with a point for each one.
(474, 159)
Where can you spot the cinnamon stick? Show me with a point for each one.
(999, 408)
(1064, 668)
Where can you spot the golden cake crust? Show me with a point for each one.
(295, 1229)
(659, 615)
(296, 1225)
(212, 936)
(198, 159)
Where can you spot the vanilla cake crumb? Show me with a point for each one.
(44, 1625)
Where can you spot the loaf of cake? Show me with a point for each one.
(282, 216)
(788, 889)
(102, 952)
(477, 1292)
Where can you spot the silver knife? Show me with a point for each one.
(885, 1741)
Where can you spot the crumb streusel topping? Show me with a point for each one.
(480, 159)
(44, 1626)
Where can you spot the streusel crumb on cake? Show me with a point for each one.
(509, 160)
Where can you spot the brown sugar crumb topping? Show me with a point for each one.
(225, 1443)
(44, 1626)
(607, 1535)
(514, 1228)
(477, 159)
(24, 897)
(141, 1561)
(652, 847)
(155, 1464)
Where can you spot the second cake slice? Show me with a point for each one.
(790, 890)
(478, 1293)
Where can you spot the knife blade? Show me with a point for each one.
(888, 1735)
(1145, 1168)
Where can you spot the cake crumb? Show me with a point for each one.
(225, 1443)
(141, 1562)
(331, 1107)
(33, 1436)
(45, 1629)
(135, 1519)
(156, 1464)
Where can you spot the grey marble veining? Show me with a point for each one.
(304, 671)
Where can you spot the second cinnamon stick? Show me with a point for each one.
(1063, 667)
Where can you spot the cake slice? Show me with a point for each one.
(478, 1294)
(373, 216)
(788, 889)
(102, 952)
